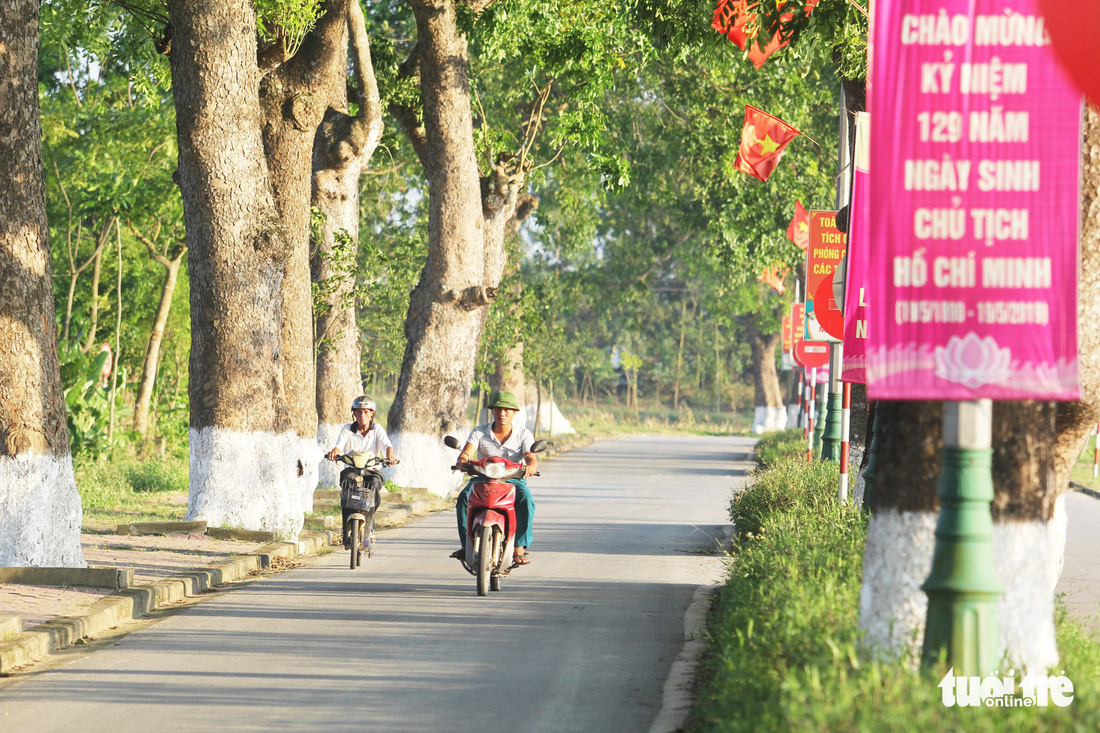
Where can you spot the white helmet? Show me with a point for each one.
(362, 402)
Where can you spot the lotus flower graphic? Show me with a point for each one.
(973, 361)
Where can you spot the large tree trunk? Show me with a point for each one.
(466, 258)
(342, 148)
(1034, 444)
(768, 396)
(246, 457)
(293, 99)
(1076, 419)
(40, 512)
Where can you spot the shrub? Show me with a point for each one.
(783, 650)
(774, 447)
(158, 476)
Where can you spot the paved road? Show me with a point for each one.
(1080, 581)
(581, 640)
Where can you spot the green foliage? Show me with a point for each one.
(779, 445)
(125, 490)
(784, 654)
(790, 487)
(88, 400)
(286, 21)
(157, 475)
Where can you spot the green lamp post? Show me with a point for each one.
(832, 424)
(962, 587)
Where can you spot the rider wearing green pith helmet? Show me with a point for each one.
(501, 438)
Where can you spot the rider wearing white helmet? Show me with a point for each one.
(361, 436)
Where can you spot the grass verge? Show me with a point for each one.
(783, 651)
(127, 489)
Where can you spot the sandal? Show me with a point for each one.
(459, 554)
(521, 560)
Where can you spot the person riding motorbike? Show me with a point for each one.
(501, 438)
(361, 435)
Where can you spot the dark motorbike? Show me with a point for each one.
(359, 498)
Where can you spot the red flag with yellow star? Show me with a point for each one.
(731, 17)
(798, 231)
(763, 142)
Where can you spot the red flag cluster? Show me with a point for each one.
(763, 142)
(798, 231)
(730, 19)
(773, 277)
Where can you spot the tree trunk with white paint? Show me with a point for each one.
(1034, 445)
(769, 413)
(466, 257)
(245, 451)
(342, 148)
(40, 512)
(294, 98)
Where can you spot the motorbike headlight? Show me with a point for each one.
(496, 470)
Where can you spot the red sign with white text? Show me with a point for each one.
(824, 317)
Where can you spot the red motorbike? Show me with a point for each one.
(491, 517)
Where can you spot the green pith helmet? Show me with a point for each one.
(507, 400)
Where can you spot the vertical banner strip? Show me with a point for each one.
(975, 152)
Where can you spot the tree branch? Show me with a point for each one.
(368, 118)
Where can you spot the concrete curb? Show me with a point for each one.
(677, 699)
(98, 577)
(1084, 489)
(137, 601)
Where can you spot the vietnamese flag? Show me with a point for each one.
(730, 18)
(798, 231)
(773, 277)
(763, 142)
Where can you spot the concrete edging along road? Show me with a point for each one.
(129, 603)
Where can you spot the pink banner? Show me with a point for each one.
(854, 361)
(975, 148)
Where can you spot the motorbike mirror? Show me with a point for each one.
(451, 441)
(538, 446)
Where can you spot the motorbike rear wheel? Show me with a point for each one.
(484, 560)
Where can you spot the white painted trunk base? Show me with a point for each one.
(425, 463)
(897, 560)
(40, 512)
(328, 472)
(252, 480)
(792, 415)
(767, 419)
(855, 457)
(559, 424)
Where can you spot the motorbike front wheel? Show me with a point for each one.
(356, 542)
(484, 560)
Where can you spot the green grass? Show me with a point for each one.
(126, 489)
(782, 443)
(1082, 470)
(784, 651)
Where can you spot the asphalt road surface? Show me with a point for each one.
(1080, 581)
(582, 639)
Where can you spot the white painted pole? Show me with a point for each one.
(1096, 454)
(810, 420)
(845, 433)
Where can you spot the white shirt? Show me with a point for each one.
(514, 449)
(374, 440)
